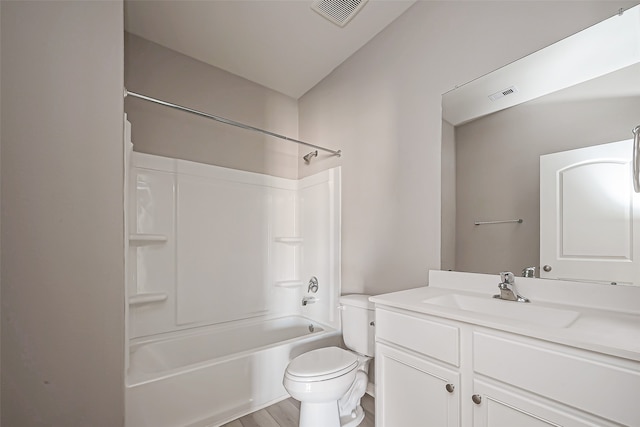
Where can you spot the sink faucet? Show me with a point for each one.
(508, 288)
(309, 300)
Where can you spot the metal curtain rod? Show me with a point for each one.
(227, 121)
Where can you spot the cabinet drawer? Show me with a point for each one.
(573, 377)
(431, 338)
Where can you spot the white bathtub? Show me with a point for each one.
(209, 376)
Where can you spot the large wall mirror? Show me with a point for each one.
(548, 140)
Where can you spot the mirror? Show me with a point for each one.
(491, 149)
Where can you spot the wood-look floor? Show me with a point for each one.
(287, 413)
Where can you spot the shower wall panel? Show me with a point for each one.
(210, 245)
(319, 198)
(151, 258)
(223, 249)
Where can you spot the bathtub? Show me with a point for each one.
(208, 376)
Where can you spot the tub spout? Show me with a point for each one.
(308, 300)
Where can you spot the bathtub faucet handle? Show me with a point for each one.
(309, 300)
(313, 285)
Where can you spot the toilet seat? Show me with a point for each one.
(321, 365)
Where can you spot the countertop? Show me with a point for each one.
(596, 317)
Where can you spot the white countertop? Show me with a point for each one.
(607, 319)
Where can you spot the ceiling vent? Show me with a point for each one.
(340, 12)
(508, 91)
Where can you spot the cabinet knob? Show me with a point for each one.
(476, 399)
(450, 388)
(547, 268)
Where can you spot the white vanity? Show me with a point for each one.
(451, 355)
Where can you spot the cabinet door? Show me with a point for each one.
(410, 391)
(500, 406)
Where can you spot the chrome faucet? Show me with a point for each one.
(508, 288)
(308, 300)
(529, 272)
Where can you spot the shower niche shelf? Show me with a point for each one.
(147, 298)
(289, 283)
(289, 240)
(146, 239)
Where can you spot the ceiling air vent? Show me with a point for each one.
(338, 11)
(508, 91)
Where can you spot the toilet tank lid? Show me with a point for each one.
(357, 300)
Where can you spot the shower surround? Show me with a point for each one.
(218, 263)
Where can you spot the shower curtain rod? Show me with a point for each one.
(227, 121)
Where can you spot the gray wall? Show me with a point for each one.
(0, 213)
(158, 72)
(498, 173)
(382, 108)
(448, 227)
(62, 214)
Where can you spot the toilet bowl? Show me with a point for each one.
(319, 379)
(329, 382)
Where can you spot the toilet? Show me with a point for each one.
(329, 382)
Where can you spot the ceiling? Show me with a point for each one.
(283, 45)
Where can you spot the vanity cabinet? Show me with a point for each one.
(432, 371)
(416, 392)
(411, 389)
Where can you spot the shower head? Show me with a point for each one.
(307, 158)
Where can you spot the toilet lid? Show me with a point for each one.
(323, 363)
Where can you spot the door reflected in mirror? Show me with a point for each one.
(589, 214)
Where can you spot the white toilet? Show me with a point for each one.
(329, 382)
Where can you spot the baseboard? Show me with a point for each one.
(371, 389)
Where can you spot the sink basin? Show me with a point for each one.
(523, 312)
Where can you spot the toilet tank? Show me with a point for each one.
(358, 318)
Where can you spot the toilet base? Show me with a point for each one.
(319, 414)
(353, 421)
(327, 415)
